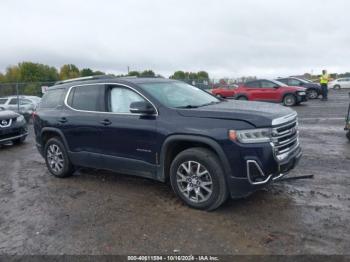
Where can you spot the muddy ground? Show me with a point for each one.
(97, 212)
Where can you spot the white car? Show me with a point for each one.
(340, 83)
(25, 106)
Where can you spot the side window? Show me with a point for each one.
(13, 101)
(284, 81)
(121, 98)
(52, 98)
(294, 82)
(254, 84)
(88, 98)
(267, 84)
(25, 102)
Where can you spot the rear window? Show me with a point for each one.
(3, 101)
(88, 98)
(52, 98)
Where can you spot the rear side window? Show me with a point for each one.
(52, 98)
(254, 84)
(88, 98)
(2, 101)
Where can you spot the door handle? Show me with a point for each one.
(63, 120)
(106, 122)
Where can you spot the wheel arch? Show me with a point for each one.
(49, 132)
(238, 96)
(175, 144)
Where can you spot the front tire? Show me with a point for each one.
(289, 100)
(197, 178)
(312, 94)
(337, 86)
(56, 158)
(348, 135)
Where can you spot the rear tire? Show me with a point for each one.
(290, 100)
(243, 98)
(197, 178)
(337, 86)
(56, 158)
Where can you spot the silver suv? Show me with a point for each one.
(21, 105)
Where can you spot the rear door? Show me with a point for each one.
(81, 122)
(252, 90)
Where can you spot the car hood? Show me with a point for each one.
(7, 114)
(259, 114)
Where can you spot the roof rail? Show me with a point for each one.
(85, 78)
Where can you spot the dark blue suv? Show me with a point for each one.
(207, 148)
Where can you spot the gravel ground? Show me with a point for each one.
(98, 212)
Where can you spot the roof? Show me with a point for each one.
(108, 79)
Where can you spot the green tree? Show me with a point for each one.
(86, 72)
(35, 72)
(202, 75)
(134, 73)
(2, 78)
(13, 74)
(98, 73)
(180, 75)
(148, 73)
(69, 71)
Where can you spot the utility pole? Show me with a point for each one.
(17, 97)
(128, 69)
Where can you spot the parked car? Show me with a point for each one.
(271, 91)
(340, 83)
(224, 91)
(13, 127)
(34, 99)
(347, 122)
(167, 130)
(313, 90)
(26, 106)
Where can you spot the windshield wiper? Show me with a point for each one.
(187, 106)
(211, 103)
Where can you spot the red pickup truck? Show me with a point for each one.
(265, 90)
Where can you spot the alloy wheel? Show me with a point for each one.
(55, 158)
(194, 181)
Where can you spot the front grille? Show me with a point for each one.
(285, 137)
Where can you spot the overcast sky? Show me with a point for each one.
(227, 38)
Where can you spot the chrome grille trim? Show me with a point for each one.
(285, 137)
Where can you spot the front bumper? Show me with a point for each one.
(301, 98)
(260, 174)
(13, 132)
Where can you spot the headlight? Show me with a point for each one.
(20, 118)
(251, 136)
(301, 93)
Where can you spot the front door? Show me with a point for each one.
(129, 139)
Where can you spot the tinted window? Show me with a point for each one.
(13, 101)
(254, 84)
(121, 98)
(294, 82)
(284, 81)
(88, 98)
(52, 98)
(2, 101)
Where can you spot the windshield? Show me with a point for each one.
(179, 95)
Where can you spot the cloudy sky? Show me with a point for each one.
(227, 38)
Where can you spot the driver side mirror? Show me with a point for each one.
(142, 107)
(276, 86)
